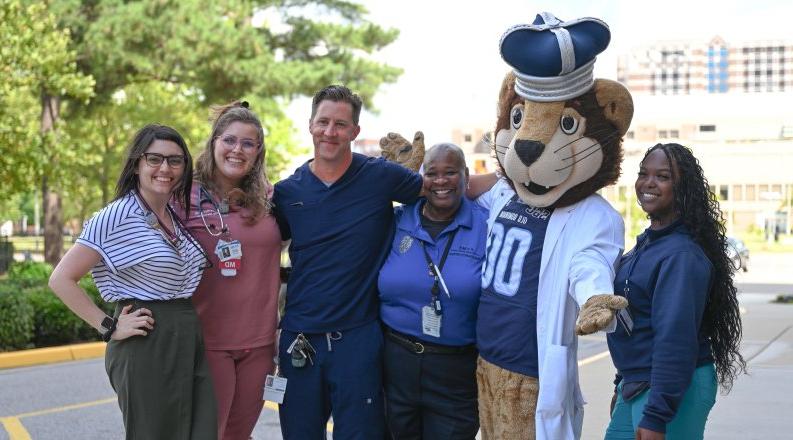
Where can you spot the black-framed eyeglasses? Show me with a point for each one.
(156, 159)
(230, 141)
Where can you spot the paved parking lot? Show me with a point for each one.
(73, 400)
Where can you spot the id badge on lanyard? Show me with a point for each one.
(230, 255)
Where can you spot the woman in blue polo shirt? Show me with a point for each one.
(679, 336)
(143, 260)
(429, 293)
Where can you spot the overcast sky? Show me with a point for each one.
(452, 68)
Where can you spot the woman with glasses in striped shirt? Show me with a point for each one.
(145, 262)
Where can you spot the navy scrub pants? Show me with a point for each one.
(430, 396)
(345, 380)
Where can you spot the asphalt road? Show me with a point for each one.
(75, 401)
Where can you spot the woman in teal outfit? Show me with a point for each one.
(679, 336)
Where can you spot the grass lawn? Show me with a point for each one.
(756, 242)
(35, 244)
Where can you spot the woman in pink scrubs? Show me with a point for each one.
(237, 299)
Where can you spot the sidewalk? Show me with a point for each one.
(759, 404)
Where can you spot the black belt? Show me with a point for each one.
(419, 347)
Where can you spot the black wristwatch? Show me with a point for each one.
(108, 326)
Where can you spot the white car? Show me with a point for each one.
(738, 253)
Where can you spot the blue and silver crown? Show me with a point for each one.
(553, 59)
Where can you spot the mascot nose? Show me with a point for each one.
(528, 151)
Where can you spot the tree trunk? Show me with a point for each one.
(53, 224)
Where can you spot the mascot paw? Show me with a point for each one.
(598, 312)
(397, 149)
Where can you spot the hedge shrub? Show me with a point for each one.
(32, 316)
(29, 274)
(16, 318)
(54, 323)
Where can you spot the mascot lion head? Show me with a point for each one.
(558, 136)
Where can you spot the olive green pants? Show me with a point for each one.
(162, 379)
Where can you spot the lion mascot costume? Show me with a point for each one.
(553, 243)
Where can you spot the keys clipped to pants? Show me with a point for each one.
(301, 349)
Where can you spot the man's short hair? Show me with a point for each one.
(338, 93)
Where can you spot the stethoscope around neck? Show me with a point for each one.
(205, 197)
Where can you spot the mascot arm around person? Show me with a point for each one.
(558, 140)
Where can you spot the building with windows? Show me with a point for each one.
(730, 102)
(715, 66)
(475, 142)
(744, 142)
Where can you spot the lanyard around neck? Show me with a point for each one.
(435, 271)
(635, 257)
(154, 220)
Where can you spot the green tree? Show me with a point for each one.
(189, 54)
(38, 64)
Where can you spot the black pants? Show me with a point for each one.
(162, 379)
(430, 396)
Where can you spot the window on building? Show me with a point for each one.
(776, 189)
(662, 134)
(674, 134)
(707, 128)
(737, 193)
(762, 189)
(751, 193)
(467, 138)
(723, 192)
(629, 134)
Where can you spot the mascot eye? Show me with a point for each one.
(516, 116)
(568, 124)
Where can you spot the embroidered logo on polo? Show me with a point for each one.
(512, 262)
(405, 244)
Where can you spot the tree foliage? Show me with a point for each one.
(35, 60)
(164, 61)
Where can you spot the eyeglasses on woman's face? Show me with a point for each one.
(156, 160)
(230, 141)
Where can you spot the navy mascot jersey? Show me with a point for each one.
(507, 324)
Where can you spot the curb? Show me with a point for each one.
(37, 356)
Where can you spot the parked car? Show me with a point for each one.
(738, 253)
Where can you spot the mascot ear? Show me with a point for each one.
(616, 102)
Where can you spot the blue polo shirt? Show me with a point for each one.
(405, 283)
(339, 241)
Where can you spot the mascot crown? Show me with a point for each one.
(552, 59)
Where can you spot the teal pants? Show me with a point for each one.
(689, 422)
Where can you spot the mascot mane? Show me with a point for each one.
(606, 131)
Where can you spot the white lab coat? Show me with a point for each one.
(583, 243)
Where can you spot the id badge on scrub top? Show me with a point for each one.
(230, 255)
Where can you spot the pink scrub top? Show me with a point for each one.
(237, 312)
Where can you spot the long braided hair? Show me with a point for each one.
(699, 210)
